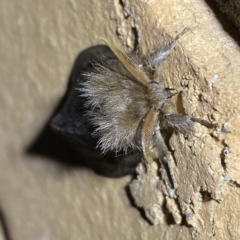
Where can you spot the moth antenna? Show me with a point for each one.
(162, 55)
(133, 68)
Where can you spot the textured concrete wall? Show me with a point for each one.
(41, 198)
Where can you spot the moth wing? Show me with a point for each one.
(128, 63)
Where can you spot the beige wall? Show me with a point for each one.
(39, 41)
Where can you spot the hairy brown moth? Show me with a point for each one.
(129, 106)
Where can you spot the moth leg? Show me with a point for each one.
(165, 160)
(170, 168)
(160, 56)
(204, 122)
(154, 147)
(183, 123)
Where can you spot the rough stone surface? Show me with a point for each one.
(41, 198)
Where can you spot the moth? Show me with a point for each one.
(129, 106)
